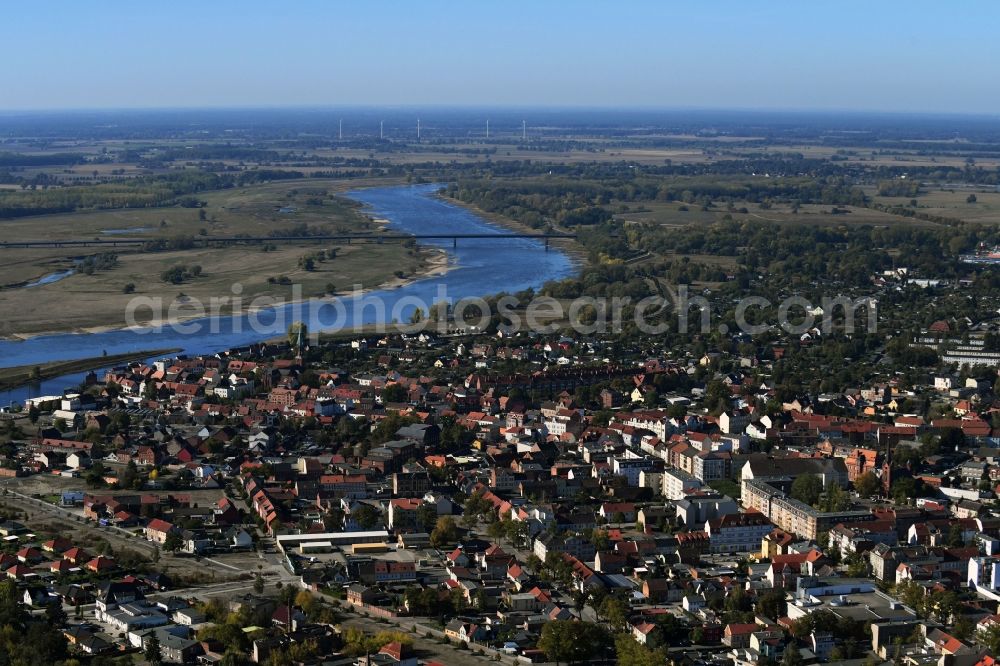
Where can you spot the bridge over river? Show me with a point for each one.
(216, 241)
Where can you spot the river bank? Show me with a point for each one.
(571, 248)
(15, 377)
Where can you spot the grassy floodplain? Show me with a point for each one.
(83, 302)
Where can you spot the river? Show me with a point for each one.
(479, 267)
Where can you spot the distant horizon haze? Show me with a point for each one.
(502, 109)
(917, 57)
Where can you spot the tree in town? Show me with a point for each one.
(55, 615)
(496, 530)
(737, 607)
(152, 651)
(943, 605)
(792, 656)
(835, 499)
(857, 565)
(394, 393)
(990, 637)
(516, 531)
(912, 595)
(600, 539)
(614, 611)
(173, 542)
(963, 628)
(821, 620)
(556, 568)
(95, 475)
(445, 532)
(389, 426)
(476, 507)
(570, 641)
(867, 484)
(651, 398)
(807, 488)
(772, 604)
(366, 516)
(428, 516)
(904, 489)
(631, 652)
(358, 642)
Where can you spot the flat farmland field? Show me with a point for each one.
(673, 214)
(954, 203)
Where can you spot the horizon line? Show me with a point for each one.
(545, 108)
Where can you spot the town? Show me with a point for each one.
(517, 497)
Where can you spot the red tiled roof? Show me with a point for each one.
(158, 525)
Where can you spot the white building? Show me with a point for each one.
(734, 422)
(630, 468)
(738, 532)
(655, 421)
(984, 573)
(677, 484)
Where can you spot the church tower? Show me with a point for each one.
(887, 470)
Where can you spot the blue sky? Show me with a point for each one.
(915, 56)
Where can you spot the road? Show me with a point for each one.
(229, 587)
(31, 504)
(270, 565)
